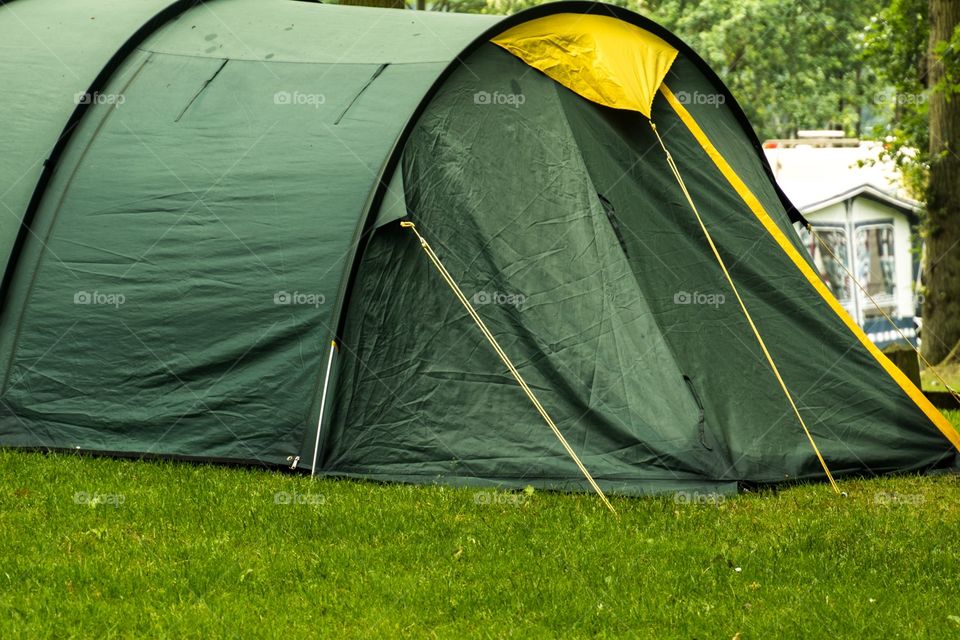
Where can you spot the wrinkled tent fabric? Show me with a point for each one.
(220, 200)
(607, 348)
(201, 244)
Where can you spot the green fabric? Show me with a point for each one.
(393, 206)
(59, 48)
(430, 396)
(572, 206)
(862, 422)
(706, 103)
(197, 201)
(189, 264)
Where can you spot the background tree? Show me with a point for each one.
(941, 311)
(914, 46)
(791, 65)
(387, 4)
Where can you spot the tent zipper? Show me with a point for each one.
(701, 416)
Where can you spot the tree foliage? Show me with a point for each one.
(915, 46)
(791, 65)
(896, 46)
(796, 65)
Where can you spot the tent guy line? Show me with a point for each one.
(926, 363)
(442, 270)
(743, 307)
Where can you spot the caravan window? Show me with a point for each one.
(875, 260)
(831, 270)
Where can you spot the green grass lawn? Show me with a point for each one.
(107, 548)
(950, 374)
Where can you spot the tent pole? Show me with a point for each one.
(323, 403)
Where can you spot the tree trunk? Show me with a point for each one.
(941, 309)
(387, 4)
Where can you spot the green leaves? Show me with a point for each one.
(895, 45)
(790, 65)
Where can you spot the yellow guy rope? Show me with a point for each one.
(925, 362)
(506, 360)
(743, 306)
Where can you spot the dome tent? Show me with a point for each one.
(210, 264)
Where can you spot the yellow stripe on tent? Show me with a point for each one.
(603, 59)
(751, 201)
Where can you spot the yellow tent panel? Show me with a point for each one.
(606, 60)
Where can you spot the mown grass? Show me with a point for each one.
(175, 550)
(949, 373)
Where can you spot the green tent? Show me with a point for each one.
(204, 256)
